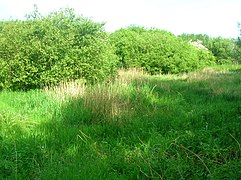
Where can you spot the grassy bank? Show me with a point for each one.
(138, 127)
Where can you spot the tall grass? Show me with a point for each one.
(104, 102)
(136, 127)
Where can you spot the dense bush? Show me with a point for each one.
(225, 50)
(47, 50)
(157, 51)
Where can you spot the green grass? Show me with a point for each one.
(138, 127)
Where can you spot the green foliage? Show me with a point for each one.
(224, 49)
(47, 50)
(206, 58)
(239, 38)
(238, 46)
(156, 51)
(195, 37)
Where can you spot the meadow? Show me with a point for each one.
(134, 127)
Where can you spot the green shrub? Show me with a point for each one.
(205, 56)
(238, 46)
(47, 50)
(224, 49)
(156, 51)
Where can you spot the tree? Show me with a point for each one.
(238, 46)
(47, 50)
(222, 48)
(156, 51)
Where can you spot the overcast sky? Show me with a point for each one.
(212, 17)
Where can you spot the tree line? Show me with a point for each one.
(62, 46)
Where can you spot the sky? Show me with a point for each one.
(212, 17)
